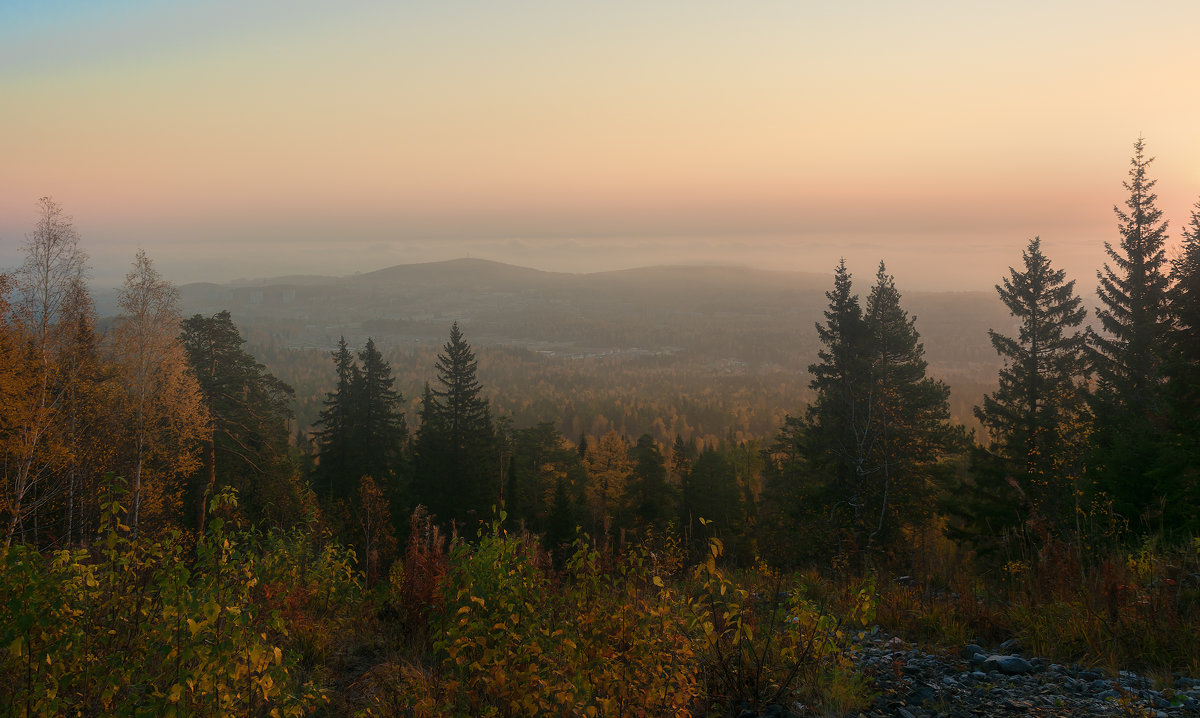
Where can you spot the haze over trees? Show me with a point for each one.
(168, 457)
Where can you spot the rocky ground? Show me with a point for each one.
(1003, 681)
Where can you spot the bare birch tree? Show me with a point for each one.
(45, 285)
(166, 417)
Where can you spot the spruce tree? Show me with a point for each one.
(1184, 304)
(361, 429)
(456, 458)
(794, 510)
(1128, 354)
(911, 413)
(878, 427)
(1041, 389)
(1133, 290)
(650, 497)
(840, 430)
(380, 429)
(542, 462)
(335, 428)
(1177, 473)
(715, 501)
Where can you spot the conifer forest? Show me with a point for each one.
(198, 520)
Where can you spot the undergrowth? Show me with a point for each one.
(280, 624)
(1116, 608)
(633, 634)
(229, 624)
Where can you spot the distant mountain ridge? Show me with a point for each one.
(475, 271)
(680, 325)
(709, 312)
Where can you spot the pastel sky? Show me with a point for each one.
(249, 138)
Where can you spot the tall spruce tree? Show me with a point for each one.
(1041, 392)
(1128, 354)
(841, 427)
(361, 429)
(335, 428)
(380, 428)
(879, 426)
(456, 458)
(912, 415)
(1133, 291)
(1178, 470)
(1184, 366)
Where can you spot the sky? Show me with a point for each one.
(254, 138)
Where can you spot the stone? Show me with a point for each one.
(1009, 665)
(929, 684)
(968, 651)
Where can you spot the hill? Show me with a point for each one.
(731, 342)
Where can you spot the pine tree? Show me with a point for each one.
(1128, 355)
(792, 509)
(1041, 383)
(460, 399)
(250, 411)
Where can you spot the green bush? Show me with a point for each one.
(164, 628)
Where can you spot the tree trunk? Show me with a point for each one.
(207, 484)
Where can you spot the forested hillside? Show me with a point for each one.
(699, 351)
(476, 489)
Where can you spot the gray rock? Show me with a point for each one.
(1010, 665)
(978, 659)
(968, 651)
(932, 683)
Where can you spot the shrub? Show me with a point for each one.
(762, 640)
(513, 638)
(151, 628)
